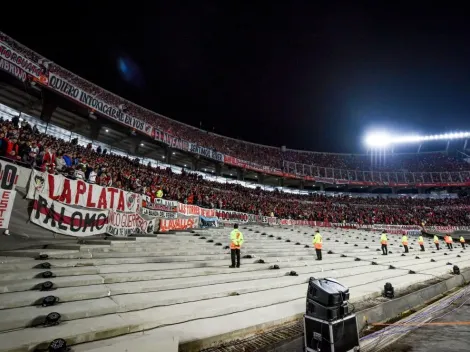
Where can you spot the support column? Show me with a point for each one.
(240, 174)
(218, 169)
(322, 186)
(168, 155)
(261, 178)
(95, 129)
(48, 106)
(394, 190)
(302, 184)
(135, 143)
(195, 163)
(281, 181)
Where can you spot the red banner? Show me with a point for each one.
(177, 224)
(188, 209)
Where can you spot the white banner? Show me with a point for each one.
(68, 89)
(159, 213)
(66, 220)
(80, 193)
(188, 209)
(9, 174)
(7, 199)
(159, 204)
(126, 224)
(10, 55)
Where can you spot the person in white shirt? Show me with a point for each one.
(92, 176)
(79, 173)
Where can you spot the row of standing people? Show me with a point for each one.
(404, 241)
(237, 240)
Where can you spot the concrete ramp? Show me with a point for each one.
(176, 289)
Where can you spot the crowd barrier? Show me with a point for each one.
(77, 208)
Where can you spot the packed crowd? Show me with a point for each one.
(261, 155)
(23, 143)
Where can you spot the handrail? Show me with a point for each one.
(384, 178)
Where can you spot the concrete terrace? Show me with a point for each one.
(177, 289)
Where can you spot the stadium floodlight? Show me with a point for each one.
(382, 139)
(379, 139)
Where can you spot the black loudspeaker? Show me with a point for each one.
(319, 311)
(331, 336)
(327, 292)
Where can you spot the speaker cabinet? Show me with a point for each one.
(327, 292)
(319, 311)
(331, 336)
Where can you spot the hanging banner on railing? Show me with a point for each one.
(8, 179)
(159, 204)
(208, 153)
(11, 55)
(188, 209)
(80, 193)
(178, 224)
(169, 139)
(13, 70)
(159, 213)
(7, 199)
(126, 224)
(207, 222)
(64, 87)
(66, 220)
(229, 216)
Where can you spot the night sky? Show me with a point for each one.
(307, 74)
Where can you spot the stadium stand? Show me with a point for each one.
(22, 143)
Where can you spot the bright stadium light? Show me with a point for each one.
(378, 139)
(383, 139)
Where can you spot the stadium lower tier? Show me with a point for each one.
(177, 289)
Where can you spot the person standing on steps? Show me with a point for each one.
(404, 242)
(421, 242)
(462, 242)
(318, 244)
(436, 242)
(236, 241)
(448, 241)
(383, 241)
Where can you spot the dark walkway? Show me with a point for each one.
(447, 338)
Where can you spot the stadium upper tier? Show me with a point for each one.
(271, 160)
(22, 143)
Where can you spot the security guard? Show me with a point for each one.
(462, 242)
(448, 241)
(236, 241)
(318, 244)
(436, 242)
(383, 241)
(421, 242)
(404, 242)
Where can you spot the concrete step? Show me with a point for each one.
(121, 264)
(52, 253)
(23, 317)
(211, 312)
(141, 342)
(27, 298)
